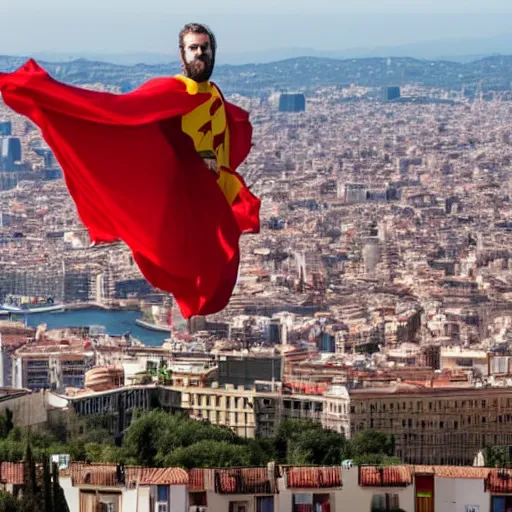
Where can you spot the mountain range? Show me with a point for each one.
(458, 50)
(301, 73)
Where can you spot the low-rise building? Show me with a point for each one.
(336, 413)
(435, 425)
(55, 365)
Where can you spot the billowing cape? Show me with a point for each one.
(135, 176)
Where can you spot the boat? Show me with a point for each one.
(32, 310)
(153, 327)
(157, 317)
(15, 304)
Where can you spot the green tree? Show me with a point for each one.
(153, 436)
(76, 449)
(47, 486)
(59, 499)
(8, 503)
(307, 442)
(30, 473)
(143, 437)
(209, 454)
(496, 457)
(371, 442)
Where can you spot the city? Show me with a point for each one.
(377, 297)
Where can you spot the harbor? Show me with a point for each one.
(116, 322)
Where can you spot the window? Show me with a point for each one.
(162, 493)
(501, 503)
(198, 499)
(311, 503)
(238, 506)
(384, 502)
(108, 502)
(265, 504)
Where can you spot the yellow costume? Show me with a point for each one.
(207, 127)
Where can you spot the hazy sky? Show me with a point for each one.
(106, 26)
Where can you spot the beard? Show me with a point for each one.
(200, 69)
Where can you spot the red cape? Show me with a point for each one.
(135, 176)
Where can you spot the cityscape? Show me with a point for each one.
(375, 301)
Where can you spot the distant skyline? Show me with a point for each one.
(117, 26)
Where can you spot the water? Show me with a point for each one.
(115, 322)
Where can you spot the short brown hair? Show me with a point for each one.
(197, 28)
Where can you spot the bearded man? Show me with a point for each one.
(155, 168)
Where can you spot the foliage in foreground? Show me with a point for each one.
(160, 439)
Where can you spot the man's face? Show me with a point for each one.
(197, 57)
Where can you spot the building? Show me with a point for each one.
(115, 488)
(274, 488)
(292, 103)
(336, 413)
(10, 153)
(245, 371)
(435, 425)
(390, 93)
(55, 366)
(5, 128)
(249, 411)
(457, 358)
(49, 160)
(230, 405)
(355, 192)
(118, 405)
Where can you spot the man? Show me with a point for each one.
(135, 167)
(197, 47)
(206, 125)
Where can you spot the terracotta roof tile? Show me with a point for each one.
(313, 477)
(461, 472)
(12, 473)
(423, 470)
(391, 476)
(163, 476)
(243, 481)
(201, 479)
(499, 481)
(105, 475)
(372, 476)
